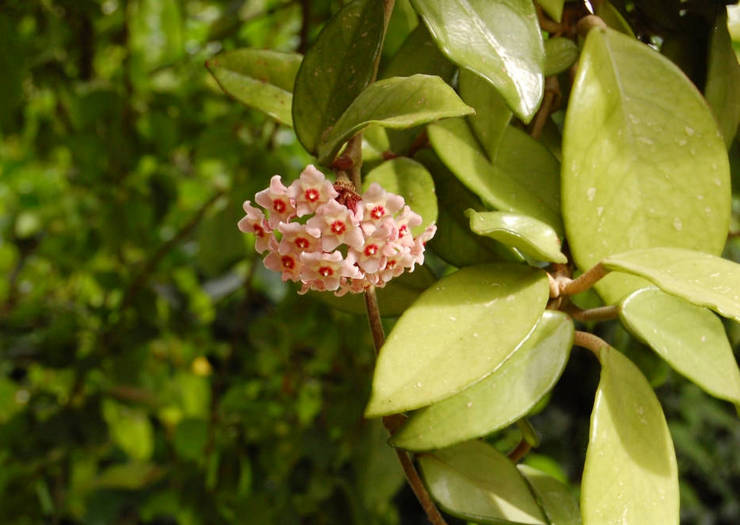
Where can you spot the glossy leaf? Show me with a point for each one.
(630, 474)
(399, 102)
(413, 182)
(643, 162)
(475, 481)
(528, 235)
(722, 89)
(560, 54)
(500, 41)
(554, 496)
(258, 78)
(501, 398)
(554, 8)
(613, 18)
(492, 115)
(336, 69)
(456, 333)
(690, 338)
(419, 54)
(699, 278)
(519, 191)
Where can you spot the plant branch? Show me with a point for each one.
(419, 489)
(589, 341)
(566, 286)
(602, 313)
(521, 450)
(552, 94)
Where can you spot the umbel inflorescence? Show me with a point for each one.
(329, 238)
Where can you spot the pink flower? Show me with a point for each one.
(277, 201)
(255, 222)
(377, 205)
(337, 225)
(378, 246)
(395, 265)
(311, 190)
(289, 264)
(298, 238)
(406, 221)
(419, 242)
(324, 271)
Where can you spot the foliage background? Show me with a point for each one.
(150, 370)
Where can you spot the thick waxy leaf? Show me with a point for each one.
(520, 191)
(722, 90)
(528, 235)
(630, 474)
(492, 115)
(560, 54)
(613, 18)
(506, 395)
(413, 182)
(699, 278)
(456, 333)
(258, 78)
(336, 69)
(643, 162)
(419, 54)
(555, 498)
(475, 481)
(554, 8)
(500, 41)
(689, 337)
(400, 102)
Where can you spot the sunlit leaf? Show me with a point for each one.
(699, 278)
(643, 162)
(630, 474)
(722, 89)
(336, 69)
(689, 337)
(528, 235)
(475, 481)
(399, 102)
(492, 115)
(457, 332)
(612, 17)
(501, 398)
(560, 54)
(258, 78)
(500, 41)
(555, 498)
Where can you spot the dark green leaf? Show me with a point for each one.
(723, 78)
(419, 54)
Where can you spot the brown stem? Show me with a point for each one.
(589, 341)
(552, 93)
(602, 313)
(419, 489)
(566, 286)
(587, 23)
(521, 450)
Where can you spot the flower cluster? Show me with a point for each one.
(331, 239)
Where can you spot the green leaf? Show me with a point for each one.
(528, 235)
(688, 337)
(519, 191)
(500, 41)
(475, 481)
(419, 54)
(336, 69)
(220, 244)
(506, 395)
(128, 476)
(258, 78)
(130, 429)
(456, 333)
(630, 474)
(399, 102)
(554, 8)
(722, 89)
(191, 437)
(613, 18)
(699, 278)
(413, 182)
(643, 162)
(492, 115)
(560, 54)
(554, 496)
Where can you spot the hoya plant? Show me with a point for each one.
(495, 187)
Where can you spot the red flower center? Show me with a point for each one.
(371, 249)
(338, 227)
(301, 242)
(312, 195)
(390, 264)
(278, 205)
(326, 271)
(403, 230)
(259, 231)
(288, 262)
(377, 213)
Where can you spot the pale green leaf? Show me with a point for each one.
(456, 333)
(498, 40)
(630, 474)
(722, 89)
(613, 18)
(560, 54)
(399, 102)
(643, 162)
(554, 8)
(528, 235)
(554, 496)
(258, 78)
(492, 115)
(336, 69)
(475, 481)
(519, 191)
(690, 338)
(501, 398)
(699, 278)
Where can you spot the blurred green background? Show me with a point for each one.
(151, 370)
